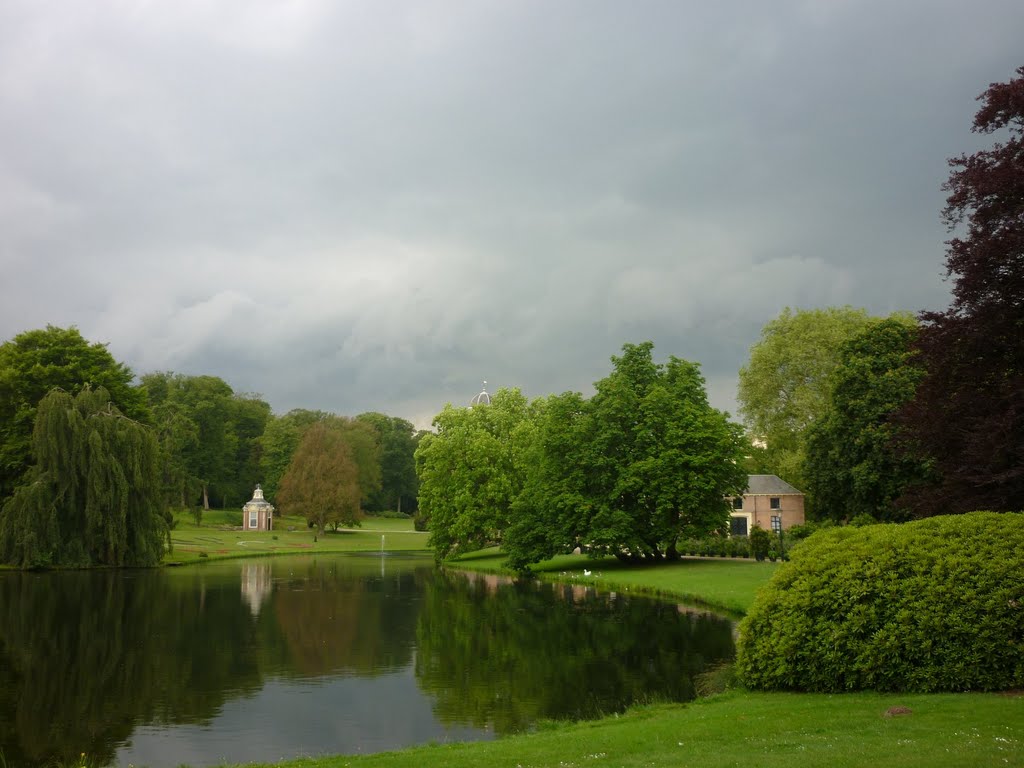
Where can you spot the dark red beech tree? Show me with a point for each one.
(968, 412)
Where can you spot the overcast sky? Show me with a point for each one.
(377, 205)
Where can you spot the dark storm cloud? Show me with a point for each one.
(363, 206)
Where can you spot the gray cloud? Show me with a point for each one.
(362, 206)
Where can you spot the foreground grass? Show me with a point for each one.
(217, 539)
(725, 584)
(741, 729)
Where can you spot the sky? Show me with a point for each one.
(356, 206)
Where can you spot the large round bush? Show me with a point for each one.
(933, 605)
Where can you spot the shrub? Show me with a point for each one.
(760, 541)
(933, 605)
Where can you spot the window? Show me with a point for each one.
(737, 503)
(252, 519)
(738, 527)
(777, 523)
(776, 503)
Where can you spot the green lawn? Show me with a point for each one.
(217, 539)
(727, 584)
(746, 729)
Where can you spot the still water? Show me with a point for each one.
(269, 659)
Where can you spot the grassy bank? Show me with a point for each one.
(739, 729)
(724, 584)
(217, 539)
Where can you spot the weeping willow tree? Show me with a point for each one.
(93, 495)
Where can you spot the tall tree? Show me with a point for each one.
(33, 363)
(968, 413)
(93, 497)
(278, 443)
(397, 440)
(854, 465)
(470, 472)
(661, 459)
(784, 386)
(210, 437)
(322, 481)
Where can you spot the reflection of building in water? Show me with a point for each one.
(256, 585)
(258, 513)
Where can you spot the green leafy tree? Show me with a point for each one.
(334, 468)
(33, 363)
(210, 437)
(968, 412)
(470, 473)
(93, 496)
(644, 462)
(278, 443)
(397, 440)
(660, 459)
(784, 387)
(854, 465)
(322, 481)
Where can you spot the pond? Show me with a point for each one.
(263, 660)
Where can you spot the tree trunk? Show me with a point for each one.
(206, 498)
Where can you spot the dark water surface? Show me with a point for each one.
(284, 657)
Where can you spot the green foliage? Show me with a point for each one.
(642, 463)
(93, 496)
(278, 443)
(760, 541)
(934, 605)
(209, 436)
(334, 467)
(784, 387)
(33, 363)
(397, 440)
(853, 465)
(471, 472)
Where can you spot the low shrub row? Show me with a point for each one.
(932, 605)
(773, 547)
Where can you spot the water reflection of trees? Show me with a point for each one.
(506, 654)
(86, 656)
(336, 618)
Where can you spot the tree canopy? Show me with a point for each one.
(470, 472)
(854, 465)
(968, 412)
(397, 439)
(627, 472)
(93, 497)
(334, 468)
(33, 363)
(784, 386)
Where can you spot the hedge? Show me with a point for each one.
(933, 605)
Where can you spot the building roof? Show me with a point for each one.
(257, 501)
(771, 485)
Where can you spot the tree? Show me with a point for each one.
(968, 412)
(784, 386)
(661, 460)
(322, 481)
(643, 462)
(33, 363)
(853, 464)
(210, 437)
(93, 497)
(278, 443)
(397, 441)
(470, 473)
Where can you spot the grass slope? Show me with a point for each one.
(216, 539)
(725, 584)
(741, 729)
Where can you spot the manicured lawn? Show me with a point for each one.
(728, 584)
(217, 539)
(748, 729)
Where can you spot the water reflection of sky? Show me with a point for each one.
(286, 718)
